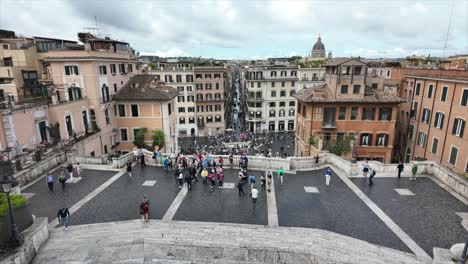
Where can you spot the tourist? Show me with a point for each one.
(400, 168)
(317, 157)
(328, 174)
(280, 174)
(263, 181)
(180, 178)
(365, 169)
(50, 182)
(142, 161)
(371, 176)
(414, 169)
(129, 169)
(136, 154)
(220, 179)
(144, 209)
(63, 215)
(254, 192)
(269, 180)
(193, 173)
(252, 181)
(70, 170)
(212, 178)
(231, 159)
(165, 164)
(204, 175)
(78, 169)
(169, 163)
(240, 187)
(62, 179)
(220, 161)
(188, 181)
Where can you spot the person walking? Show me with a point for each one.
(317, 157)
(252, 181)
(280, 174)
(169, 163)
(142, 161)
(371, 176)
(165, 164)
(254, 193)
(269, 180)
(263, 181)
(400, 168)
(62, 179)
(50, 182)
(204, 175)
(240, 187)
(144, 209)
(220, 179)
(414, 169)
(212, 178)
(70, 171)
(78, 169)
(365, 169)
(231, 159)
(188, 181)
(181, 178)
(220, 161)
(129, 169)
(328, 174)
(63, 217)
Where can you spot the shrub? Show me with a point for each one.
(314, 141)
(339, 147)
(17, 201)
(140, 138)
(158, 138)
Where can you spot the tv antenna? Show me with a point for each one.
(94, 30)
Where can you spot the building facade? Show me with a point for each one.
(210, 82)
(344, 109)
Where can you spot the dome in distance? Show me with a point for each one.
(318, 45)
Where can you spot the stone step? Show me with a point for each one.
(201, 242)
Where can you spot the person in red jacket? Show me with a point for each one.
(144, 209)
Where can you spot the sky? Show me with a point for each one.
(253, 29)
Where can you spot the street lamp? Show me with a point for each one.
(353, 153)
(6, 183)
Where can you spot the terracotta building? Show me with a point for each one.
(344, 107)
(145, 102)
(209, 96)
(432, 121)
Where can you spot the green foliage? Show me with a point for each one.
(153, 66)
(140, 137)
(420, 159)
(338, 147)
(17, 201)
(312, 63)
(54, 131)
(158, 138)
(314, 141)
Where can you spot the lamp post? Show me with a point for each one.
(6, 183)
(353, 153)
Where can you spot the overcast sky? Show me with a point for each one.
(252, 28)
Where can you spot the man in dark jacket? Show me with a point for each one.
(63, 215)
(188, 181)
(70, 170)
(400, 168)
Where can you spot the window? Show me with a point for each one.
(272, 74)
(178, 78)
(329, 114)
(71, 70)
(464, 100)
(292, 93)
(208, 86)
(356, 89)
(191, 120)
(283, 73)
(282, 93)
(181, 109)
(130, 67)
(382, 140)
(217, 86)
(272, 84)
(198, 76)
(273, 93)
(158, 77)
(439, 120)
(199, 86)
(180, 99)
(103, 69)
(115, 87)
(252, 84)
(182, 120)
(121, 110)
(217, 107)
(190, 98)
(354, 113)
(458, 127)
(291, 112)
(414, 110)
(123, 134)
(425, 116)
(167, 78)
(209, 119)
(344, 89)
(453, 156)
(180, 89)
(217, 118)
(435, 144)
(294, 73)
(134, 110)
(217, 75)
(191, 109)
(443, 97)
(366, 139)
(342, 113)
(112, 69)
(429, 91)
(282, 104)
(169, 108)
(208, 76)
(293, 83)
(122, 68)
(385, 113)
(388, 73)
(418, 88)
(189, 78)
(283, 84)
(272, 104)
(281, 113)
(368, 113)
(421, 139)
(209, 108)
(410, 131)
(200, 108)
(292, 103)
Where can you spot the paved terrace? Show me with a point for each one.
(403, 216)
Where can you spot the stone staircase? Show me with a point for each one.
(132, 242)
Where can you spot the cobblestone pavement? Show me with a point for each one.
(335, 208)
(428, 217)
(121, 200)
(224, 205)
(46, 204)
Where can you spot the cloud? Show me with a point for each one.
(172, 52)
(247, 28)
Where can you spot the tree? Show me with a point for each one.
(140, 137)
(54, 131)
(158, 138)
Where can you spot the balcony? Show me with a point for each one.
(328, 125)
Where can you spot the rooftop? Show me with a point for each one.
(143, 88)
(339, 61)
(322, 93)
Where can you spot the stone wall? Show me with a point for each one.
(25, 176)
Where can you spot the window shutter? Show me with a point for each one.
(67, 70)
(454, 129)
(462, 127)
(436, 119)
(370, 139)
(442, 121)
(76, 70)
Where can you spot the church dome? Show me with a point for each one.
(318, 45)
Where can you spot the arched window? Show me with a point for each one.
(92, 116)
(281, 113)
(291, 112)
(272, 113)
